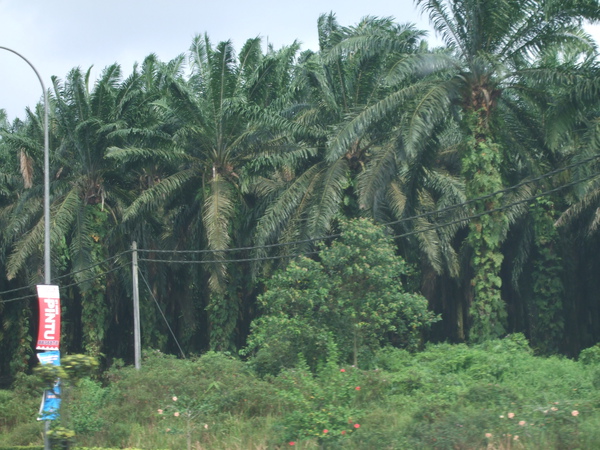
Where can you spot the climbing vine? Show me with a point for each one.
(95, 310)
(481, 164)
(546, 308)
(17, 327)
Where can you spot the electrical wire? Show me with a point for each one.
(410, 233)
(405, 219)
(500, 208)
(25, 297)
(502, 191)
(32, 286)
(161, 313)
(95, 276)
(226, 260)
(430, 228)
(239, 249)
(68, 285)
(110, 258)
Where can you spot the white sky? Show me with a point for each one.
(56, 36)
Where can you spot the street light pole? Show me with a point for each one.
(47, 275)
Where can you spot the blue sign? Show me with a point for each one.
(51, 400)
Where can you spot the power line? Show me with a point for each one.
(503, 191)
(25, 297)
(410, 233)
(395, 222)
(68, 285)
(95, 276)
(162, 314)
(500, 208)
(430, 228)
(32, 286)
(110, 258)
(239, 249)
(264, 258)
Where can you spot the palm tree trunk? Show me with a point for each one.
(481, 165)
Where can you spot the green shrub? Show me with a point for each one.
(22, 402)
(7, 416)
(215, 383)
(24, 433)
(352, 295)
(591, 355)
(324, 406)
(19, 410)
(23, 447)
(456, 428)
(81, 410)
(492, 395)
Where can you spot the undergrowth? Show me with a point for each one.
(495, 395)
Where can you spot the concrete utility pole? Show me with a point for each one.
(136, 308)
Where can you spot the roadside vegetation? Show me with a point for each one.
(494, 395)
(376, 244)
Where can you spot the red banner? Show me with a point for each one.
(49, 329)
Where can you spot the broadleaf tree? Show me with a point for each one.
(351, 295)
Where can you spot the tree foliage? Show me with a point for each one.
(227, 167)
(351, 295)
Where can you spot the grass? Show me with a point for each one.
(496, 395)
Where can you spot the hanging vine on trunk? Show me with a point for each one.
(546, 307)
(95, 310)
(481, 170)
(17, 328)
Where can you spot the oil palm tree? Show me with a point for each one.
(213, 119)
(493, 62)
(339, 82)
(16, 177)
(496, 55)
(86, 195)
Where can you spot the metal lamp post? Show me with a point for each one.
(47, 275)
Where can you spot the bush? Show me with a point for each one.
(22, 402)
(352, 296)
(19, 410)
(23, 433)
(21, 447)
(589, 356)
(81, 410)
(324, 406)
(215, 383)
(493, 395)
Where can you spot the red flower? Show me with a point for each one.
(356, 425)
(325, 431)
(357, 388)
(342, 370)
(292, 443)
(343, 432)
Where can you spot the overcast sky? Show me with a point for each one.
(56, 36)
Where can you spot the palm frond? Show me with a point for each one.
(291, 202)
(156, 196)
(328, 198)
(379, 172)
(218, 211)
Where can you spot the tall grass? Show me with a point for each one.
(496, 395)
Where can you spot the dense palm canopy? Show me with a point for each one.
(235, 161)
(341, 81)
(218, 121)
(490, 77)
